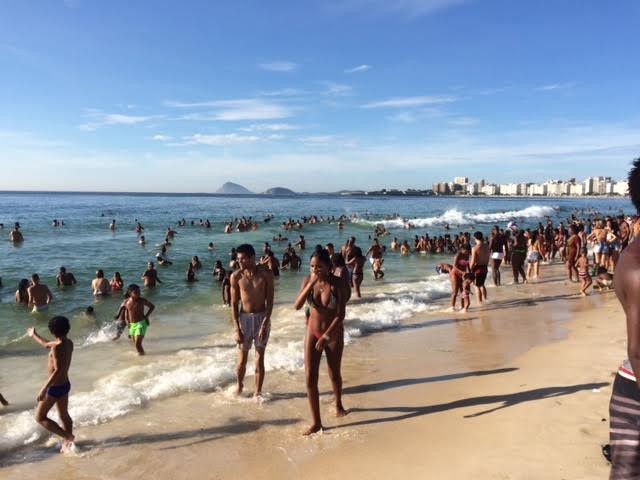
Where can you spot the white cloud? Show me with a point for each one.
(270, 127)
(333, 89)
(279, 66)
(98, 119)
(284, 92)
(359, 68)
(235, 110)
(161, 138)
(408, 102)
(119, 119)
(318, 139)
(334, 141)
(220, 140)
(555, 86)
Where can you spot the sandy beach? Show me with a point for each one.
(497, 399)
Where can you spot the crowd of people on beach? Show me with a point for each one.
(336, 274)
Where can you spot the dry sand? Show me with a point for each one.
(518, 389)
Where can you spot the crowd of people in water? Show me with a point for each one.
(589, 247)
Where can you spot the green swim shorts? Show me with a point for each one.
(138, 329)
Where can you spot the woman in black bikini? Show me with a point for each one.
(325, 332)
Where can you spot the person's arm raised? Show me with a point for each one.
(305, 288)
(42, 341)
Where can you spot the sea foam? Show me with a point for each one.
(455, 217)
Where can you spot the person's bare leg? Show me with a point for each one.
(41, 417)
(454, 290)
(138, 343)
(259, 371)
(63, 411)
(496, 272)
(333, 353)
(312, 366)
(241, 369)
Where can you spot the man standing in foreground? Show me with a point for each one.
(251, 286)
(624, 407)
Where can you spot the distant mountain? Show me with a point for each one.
(279, 191)
(231, 188)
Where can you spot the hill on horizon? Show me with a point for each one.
(230, 188)
(279, 191)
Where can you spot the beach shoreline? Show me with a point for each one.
(472, 406)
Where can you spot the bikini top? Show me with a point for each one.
(333, 301)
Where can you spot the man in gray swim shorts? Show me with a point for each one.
(251, 288)
(250, 325)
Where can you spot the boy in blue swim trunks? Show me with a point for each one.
(138, 319)
(56, 390)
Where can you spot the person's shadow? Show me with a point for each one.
(505, 400)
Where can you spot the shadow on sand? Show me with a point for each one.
(525, 302)
(403, 382)
(504, 401)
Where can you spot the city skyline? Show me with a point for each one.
(594, 185)
(320, 96)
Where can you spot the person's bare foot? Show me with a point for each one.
(312, 429)
(341, 412)
(67, 443)
(239, 389)
(3, 401)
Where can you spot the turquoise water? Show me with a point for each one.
(189, 342)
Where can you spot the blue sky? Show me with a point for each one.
(181, 96)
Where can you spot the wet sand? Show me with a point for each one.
(518, 389)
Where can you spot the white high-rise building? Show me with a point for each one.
(538, 189)
(510, 189)
(461, 180)
(576, 189)
(472, 188)
(490, 189)
(621, 188)
(588, 186)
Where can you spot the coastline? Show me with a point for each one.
(358, 194)
(480, 405)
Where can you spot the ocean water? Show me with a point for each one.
(190, 341)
